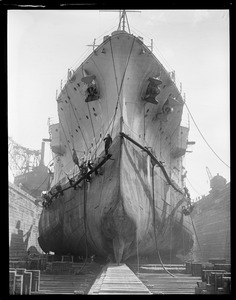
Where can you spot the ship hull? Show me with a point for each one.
(116, 213)
(113, 215)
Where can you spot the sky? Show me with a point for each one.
(43, 44)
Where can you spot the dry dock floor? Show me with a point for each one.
(165, 284)
(120, 279)
(159, 282)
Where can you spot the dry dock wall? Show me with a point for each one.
(23, 223)
(211, 216)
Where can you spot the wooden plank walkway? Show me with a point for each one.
(118, 280)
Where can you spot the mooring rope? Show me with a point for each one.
(154, 225)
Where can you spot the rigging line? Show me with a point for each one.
(162, 59)
(85, 218)
(71, 127)
(114, 67)
(171, 224)
(137, 251)
(122, 81)
(196, 236)
(169, 180)
(79, 59)
(139, 32)
(137, 241)
(104, 135)
(105, 90)
(92, 129)
(106, 32)
(154, 224)
(204, 137)
(183, 242)
(154, 47)
(85, 231)
(76, 118)
(193, 187)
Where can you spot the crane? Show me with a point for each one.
(27, 168)
(209, 173)
(21, 159)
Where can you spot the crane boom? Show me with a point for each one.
(209, 173)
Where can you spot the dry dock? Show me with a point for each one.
(113, 279)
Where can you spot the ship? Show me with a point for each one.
(211, 215)
(119, 178)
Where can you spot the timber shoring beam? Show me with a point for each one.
(122, 134)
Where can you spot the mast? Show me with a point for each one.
(123, 19)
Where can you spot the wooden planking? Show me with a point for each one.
(119, 280)
(165, 284)
(68, 283)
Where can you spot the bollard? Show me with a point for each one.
(27, 279)
(12, 282)
(18, 284)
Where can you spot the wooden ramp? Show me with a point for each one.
(118, 280)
